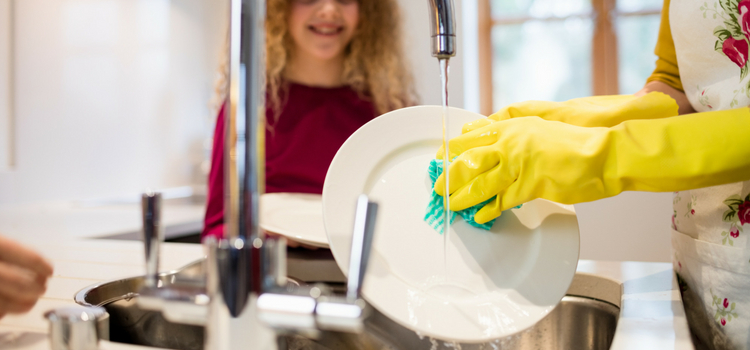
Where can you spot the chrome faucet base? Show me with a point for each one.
(179, 304)
(236, 314)
(229, 267)
(232, 321)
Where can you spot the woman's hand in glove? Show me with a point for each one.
(588, 111)
(521, 159)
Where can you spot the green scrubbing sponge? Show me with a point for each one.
(434, 213)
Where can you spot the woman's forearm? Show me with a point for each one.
(677, 95)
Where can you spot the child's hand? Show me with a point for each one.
(23, 277)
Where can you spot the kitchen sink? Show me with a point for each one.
(585, 319)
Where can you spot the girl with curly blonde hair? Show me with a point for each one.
(331, 66)
(371, 63)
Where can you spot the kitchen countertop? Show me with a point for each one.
(651, 311)
(83, 219)
(80, 263)
(652, 316)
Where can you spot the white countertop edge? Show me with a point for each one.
(652, 316)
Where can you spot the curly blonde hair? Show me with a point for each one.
(374, 64)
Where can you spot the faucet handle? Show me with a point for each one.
(153, 234)
(364, 227)
(348, 314)
(274, 262)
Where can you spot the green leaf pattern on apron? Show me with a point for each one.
(724, 310)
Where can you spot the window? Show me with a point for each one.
(555, 50)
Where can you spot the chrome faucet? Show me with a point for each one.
(276, 309)
(244, 302)
(443, 28)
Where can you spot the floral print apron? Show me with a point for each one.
(711, 226)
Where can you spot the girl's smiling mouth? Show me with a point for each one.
(326, 29)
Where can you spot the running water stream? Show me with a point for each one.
(444, 69)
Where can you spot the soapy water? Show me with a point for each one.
(434, 343)
(437, 287)
(452, 345)
(497, 344)
(298, 342)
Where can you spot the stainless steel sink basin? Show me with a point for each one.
(579, 322)
(133, 325)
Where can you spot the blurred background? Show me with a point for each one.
(102, 98)
(557, 50)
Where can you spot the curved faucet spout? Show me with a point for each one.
(443, 28)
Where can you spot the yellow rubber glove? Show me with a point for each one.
(522, 159)
(587, 111)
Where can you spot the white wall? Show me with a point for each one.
(631, 226)
(110, 96)
(6, 43)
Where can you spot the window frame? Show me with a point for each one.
(604, 49)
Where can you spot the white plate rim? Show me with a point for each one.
(315, 240)
(335, 231)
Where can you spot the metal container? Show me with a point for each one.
(77, 327)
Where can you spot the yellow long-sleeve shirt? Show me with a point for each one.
(666, 63)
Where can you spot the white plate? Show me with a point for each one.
(298, 216)
(499, 282)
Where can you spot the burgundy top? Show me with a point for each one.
(300, 144)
